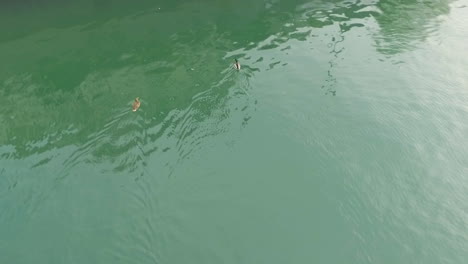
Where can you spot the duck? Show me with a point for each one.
(236, 64)
(136, 104)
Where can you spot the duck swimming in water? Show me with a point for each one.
(236, 64)
(136, 104)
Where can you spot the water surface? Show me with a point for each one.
(343, 139)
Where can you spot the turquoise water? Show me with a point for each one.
(343, 138)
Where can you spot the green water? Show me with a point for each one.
(343, 138)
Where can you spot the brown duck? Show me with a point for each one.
(136, 104)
